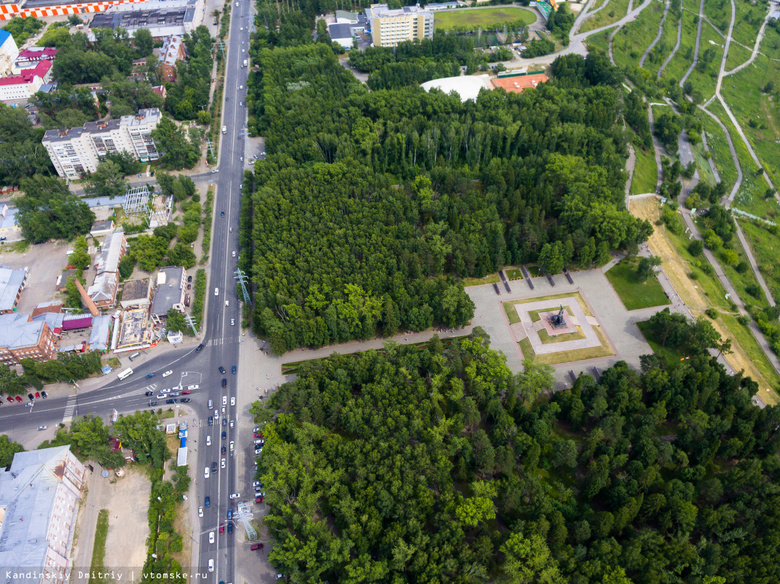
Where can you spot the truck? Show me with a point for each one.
(245, 62)
(224, 129)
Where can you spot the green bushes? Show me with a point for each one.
(200, 296)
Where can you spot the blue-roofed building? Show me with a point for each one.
(8, 52)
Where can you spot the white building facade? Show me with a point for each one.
(390, 27)
(78, 151)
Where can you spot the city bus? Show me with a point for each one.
(125, 374)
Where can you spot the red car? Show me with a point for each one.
(258, 434)
(222, 528)
(37, 395)
(256, 546)
(258, 499)
(19, 399)
(186, 392)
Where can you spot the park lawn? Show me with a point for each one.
(547, 339)
(513, 273)
(705, 74)
(614, 11)
(645, 172)
(633, 293)
(719, 12)
(484, 18)
(665, 44)
(684, 55)
(489, 279)
(749, 19)
(702, 164)
(766, 248)
(583, 305)
(534, 314)
(603, 350)
(667, 356)
(632, 40)
(737, 55)
(755, 110)
(599, 41)
(719, 148)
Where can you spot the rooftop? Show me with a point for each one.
(98, 336)
(168, 291)
(151, 19)
(27, 75)
(10, 282)
(467, 87)
(37, 53)
(340, 31)
(518, 83)
(136, 289)
(16, 332)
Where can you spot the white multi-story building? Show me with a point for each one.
(17, 89)
(78, 151)
(39, 498)
(8, 51)
(390, 27)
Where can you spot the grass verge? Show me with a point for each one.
(633, 292)
(603, 350)
(483, 18)
(98, 566)
(645, 172)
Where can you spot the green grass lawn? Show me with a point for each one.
(513, 273)
(482, 17)
(633, 293)
(645, 172)
(748, 342)
(632, 40)
(705, 73)
(665, 45)
(603, 350)
(667, 356)
(614, 11)
(489, 279)
(766, 248)
(737, 55)
(599, 41)
(99, 547)
(684, 56)
(748, 21)
(719, 148)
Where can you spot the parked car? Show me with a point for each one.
(256, 546)
(185, 400)
(200, 511)
(42, 428)
(189, 278)
(31, 396)
(19, 399)
(173, 394)
(192, 387)
(258, 500)
(37, 395)
(44, 395)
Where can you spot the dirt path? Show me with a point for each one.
(676, 270)
(128, 525)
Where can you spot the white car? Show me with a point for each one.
(232, 446)
(234, 253)
(232, 422)
(211, 537)
(167, 373)
(224, 400)
(216, 415)
(256, 484)
(242, 28)
(206, 472)
(223, 463)
(232, 322)
(200, 511)
(193, 387)
(208, 440)
(211, 565)
(232, 401)
(216, 291)
(235, 495)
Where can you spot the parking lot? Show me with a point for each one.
(45, 262)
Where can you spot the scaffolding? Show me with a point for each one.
(245, 513)
(160, 216)
(136, 201)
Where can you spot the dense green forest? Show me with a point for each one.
(436, 464)
(371, 205)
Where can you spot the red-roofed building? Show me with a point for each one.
(17, 88)
(31, 57)
(160, 90)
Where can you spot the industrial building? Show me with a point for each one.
(77, 151)
(390, 27)
(169, 292)
(162, 19)
(40, 495)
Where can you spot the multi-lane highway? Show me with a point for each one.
(188, 366)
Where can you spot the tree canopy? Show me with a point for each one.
(48, 210)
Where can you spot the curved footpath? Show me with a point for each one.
(675, 49)
(657, 37)
(696, 47)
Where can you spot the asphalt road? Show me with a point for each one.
(186, 365)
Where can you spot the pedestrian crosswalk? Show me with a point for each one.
(70, 407)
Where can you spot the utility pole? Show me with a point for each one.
(241, 277)
(191, 324)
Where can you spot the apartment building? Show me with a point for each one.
(104, 288)
(22, 338)
(390, 27)
(78, 151)
(40, 495)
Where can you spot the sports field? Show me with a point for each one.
(486, 18)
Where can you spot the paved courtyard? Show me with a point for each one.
(617, 323)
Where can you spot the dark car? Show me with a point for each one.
(230, 513)
(224, 435)
(189, 278)
(185, 400)
(224, 382)
(224, 421)
(32, 397)
(150, 375)
(152, 403)
(256, 546)
(221, 369)
(173, 400)
(149, 393)
(234, 368)
(211, 420)
(198, 348)
(230, 528)
(224, 450)
(222, 214)
(44, 395)
(214, 467)
(207, 502)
